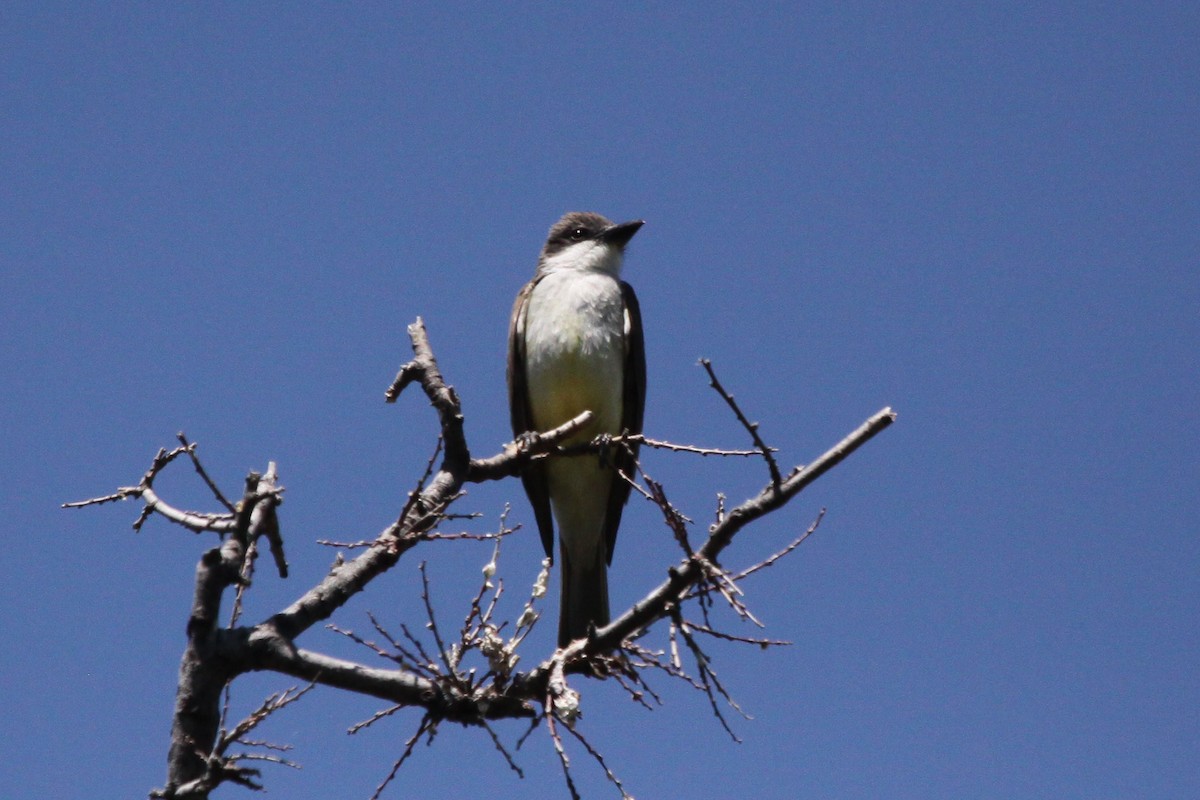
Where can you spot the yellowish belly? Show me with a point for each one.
(575, 353)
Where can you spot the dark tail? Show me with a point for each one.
(584, 597)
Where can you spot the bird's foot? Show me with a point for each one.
(526, 441)
(604, 448)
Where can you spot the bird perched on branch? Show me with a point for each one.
(574, 345)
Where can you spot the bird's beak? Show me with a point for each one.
(621, 234)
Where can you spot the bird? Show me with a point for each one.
(575, 344)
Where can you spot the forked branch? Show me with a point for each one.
(435, 675)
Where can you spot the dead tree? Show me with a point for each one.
(434, 676)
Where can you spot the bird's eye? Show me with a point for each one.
(578, 234)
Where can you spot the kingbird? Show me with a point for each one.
(574, 345)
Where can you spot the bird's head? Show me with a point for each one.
(587, 242)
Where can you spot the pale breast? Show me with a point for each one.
(575, 350)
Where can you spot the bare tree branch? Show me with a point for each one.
(653, 606)
(436, 676)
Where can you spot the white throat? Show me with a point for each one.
(587, 256)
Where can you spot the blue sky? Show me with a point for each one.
(219, 218)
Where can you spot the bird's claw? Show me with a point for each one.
(604, 448)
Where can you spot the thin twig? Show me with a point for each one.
(660, 444)
(799, 540)
(729, 637)
(503, 751)
(708, 679)
(563, 759)
(378, 715)
(426, 724)
(414, 497)
(212, 486)
(437, 636)
(348, 545)
(752, 427)
(594, 753)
